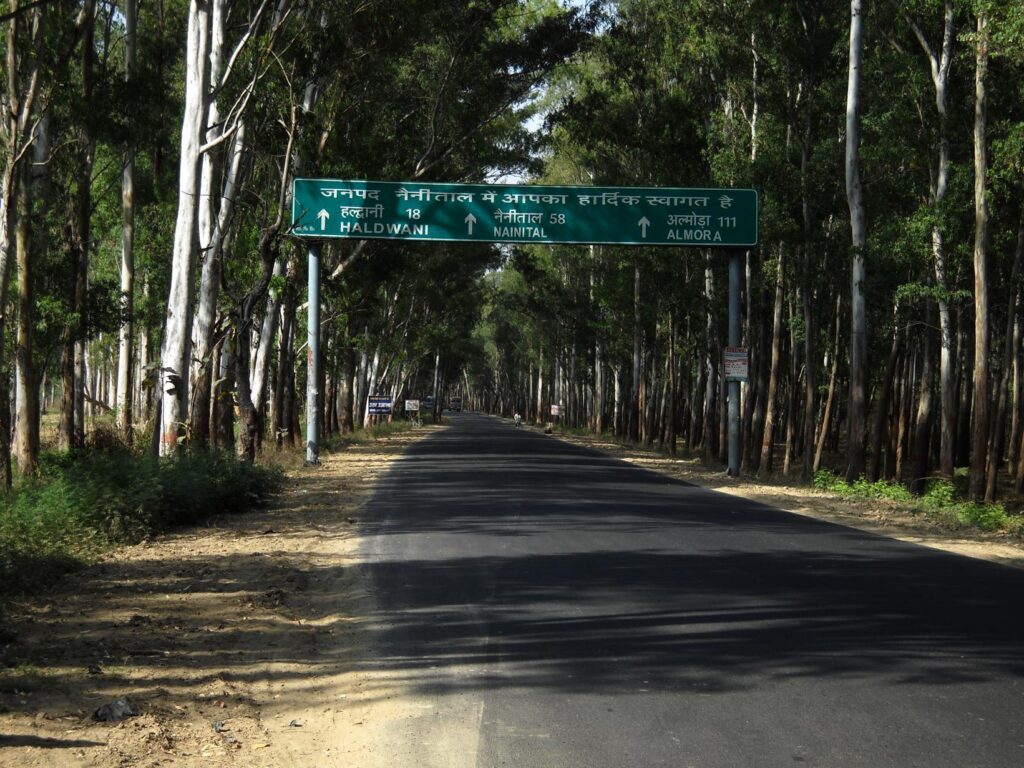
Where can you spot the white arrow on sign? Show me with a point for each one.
(323, 216)
(470, 221)
(644, 224)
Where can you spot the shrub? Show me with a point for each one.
(987, 517)
(940, 500)
(83, 503)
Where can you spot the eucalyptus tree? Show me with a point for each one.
(126, 332)
(23, 80)
(939, 52)
(41, 49)
(858, 232)
(200, 79)
(979, 435)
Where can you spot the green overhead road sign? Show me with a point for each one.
(502, 213)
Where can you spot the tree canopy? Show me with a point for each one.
(148, 275)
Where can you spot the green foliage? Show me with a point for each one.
(81, 504)
(861, 488)
(941, 500)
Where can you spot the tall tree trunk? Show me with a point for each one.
(635, 385)
(348, 371)
(965, 385)
(882, 406)
(144, 392)
(672, 384)
(979, 438)
(26, 445)
(213, 213)
(768, 440)
(903, 411)
(1018, 401)
(268, 332)
(920, 441)
(792, 410)
(711, 357)
(617, 396)
(126, 333)
(857, 409)
(939, 64)
(23, 67)
(66, 423)
(248, 417)
(995, 453)
(540, 386)
(286, 353)
(83, 226)
(753, 398)
(810, 350)
(175, 354)
(598, 396)
(223, 395)
(826, 419)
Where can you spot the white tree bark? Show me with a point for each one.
(127, 330)
(371, 387)
(268, 330)
(979, 435)
(939, 63)
(858, 231)
(177, 345)
(207, 211)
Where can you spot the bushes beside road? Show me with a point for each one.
(82, 504)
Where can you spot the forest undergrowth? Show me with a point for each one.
(81, 504)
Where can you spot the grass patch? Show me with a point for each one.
(374, 432)
(82, 504)
(941, 500)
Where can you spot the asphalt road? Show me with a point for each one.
(572, 610)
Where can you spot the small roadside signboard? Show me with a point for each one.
(556, 410)
(379, 405)
(505, 213)
(736, 364)
(412, 406)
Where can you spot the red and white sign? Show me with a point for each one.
(736, 363)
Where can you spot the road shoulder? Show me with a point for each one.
(875, 516)
(238, 643)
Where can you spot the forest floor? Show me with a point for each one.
(241, 643)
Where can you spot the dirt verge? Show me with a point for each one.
(234, 643)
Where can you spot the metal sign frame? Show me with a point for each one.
(517, 213)
(537, 208)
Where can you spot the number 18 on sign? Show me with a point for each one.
(502, 213)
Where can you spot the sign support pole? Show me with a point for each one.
(735, 278)
(313, 358)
